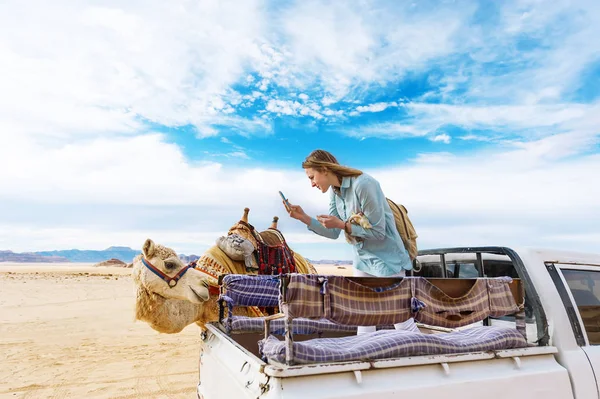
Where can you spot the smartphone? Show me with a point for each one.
(287, 204)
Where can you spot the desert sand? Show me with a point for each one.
(67, 331)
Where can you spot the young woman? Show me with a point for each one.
(379, 250)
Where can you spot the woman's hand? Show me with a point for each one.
(330, 222)
(296, 212)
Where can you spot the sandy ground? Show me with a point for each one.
(67, 331)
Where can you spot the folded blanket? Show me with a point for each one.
(392, 343)
(299, 325)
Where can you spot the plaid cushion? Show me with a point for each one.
(502, 302)
(445, 311)
(487, 297)
(348, 302)
(393, 343)
(303, 296)
(344, 301)
(299, 326)
(243, 290)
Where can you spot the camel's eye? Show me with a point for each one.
(170, 265)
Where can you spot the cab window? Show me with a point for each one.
(585, 289)
(462, 269)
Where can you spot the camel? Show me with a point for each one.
(166, 306)
(194, 298)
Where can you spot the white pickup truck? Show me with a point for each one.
(561, 360)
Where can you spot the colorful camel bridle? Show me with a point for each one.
(171, 281)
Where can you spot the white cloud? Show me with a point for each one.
(103, 171)
(499, 199)
(239, 154)
(474, 137)
(525, 16)
(489, 197)
(376, 107)
(294, 108)
(256, 126)
(536, 52)
(75, 69)
(514, 116)
(327, 101)
(574, 124)
(558, 146)
(140, 172)
(340, 48)
(386, 130)
(444, 138)
(434, 158)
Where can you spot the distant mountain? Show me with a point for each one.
(118, 249)
(188, 258)
(29, 257)
(124, 254)
(330, 262)
(112, 262)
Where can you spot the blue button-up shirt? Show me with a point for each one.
(381, 251)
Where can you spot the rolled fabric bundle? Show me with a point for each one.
(235, 246)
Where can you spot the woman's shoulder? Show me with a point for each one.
(365, 183)
(364, 180)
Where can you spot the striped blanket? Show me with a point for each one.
(243, 290)
(299, 326)
(392, 343)
(347, 302)
(344, 301)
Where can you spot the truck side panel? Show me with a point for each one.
(230, 371)
(227, 370)
(535, 377)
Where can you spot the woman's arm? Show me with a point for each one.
(371, 199)
(316, 227)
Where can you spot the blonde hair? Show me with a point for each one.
(322, 161)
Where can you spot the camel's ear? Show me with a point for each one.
(149, 248)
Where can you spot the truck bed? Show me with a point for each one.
(230, 367)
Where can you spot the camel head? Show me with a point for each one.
(161, 272)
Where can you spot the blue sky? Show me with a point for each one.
(126, 120)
